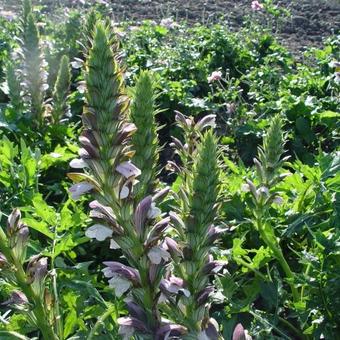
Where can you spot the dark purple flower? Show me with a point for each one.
(157, 231)
(106, 213)
(162, 223)
(141, 213)
(135, 310)
(212, 329)
(176, 221)
(132, 322)
(21, 239)
(177, 143)
(13, 221)
(209, 120)
(203, 295)
(40, 269)
(90, 148)
(170, 330)
(16, 298)
(173, 247)
(173, 285)
(36, 272)
(126, 131)
(180, 117)
(88, 137)
(160, 194)
(213, 267)
(214, 233)
(126, 272)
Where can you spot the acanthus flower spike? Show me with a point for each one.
(193, 221)
(268, 166)
(122, 179)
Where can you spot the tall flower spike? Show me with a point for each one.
(35, 75)
(203, 207)
(26, 10)
(267, 166)
(271, 152)
(105, 138)
(145, 140)
(13, 80)
(132, 223)
(196, 235)
(89, 27)
(61, 89)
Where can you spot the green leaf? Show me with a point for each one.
(304, 128)
(67, 243)
(40, 226)
(329, 118)
(44, 211)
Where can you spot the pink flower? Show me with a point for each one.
(256, 6)
(216, 75)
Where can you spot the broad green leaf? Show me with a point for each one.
(40, 226)
(44, 211)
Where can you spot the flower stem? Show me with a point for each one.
(277, 251)
(100, 322)
(38, 310)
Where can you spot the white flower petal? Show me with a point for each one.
(119, 284)
(156, 254)
(78, 163)
(245, 187)
(79, 189)
(114, 244)
(124, 193)
(128, 169)
(153, 211)
(99, 232)
(55, 155)
(203, 336)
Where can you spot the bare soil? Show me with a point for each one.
(310, 22)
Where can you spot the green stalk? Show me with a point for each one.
(247, 265)
(59, 321)
(100, 322)
(292, 328)
(21, 279)
(277, 251)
